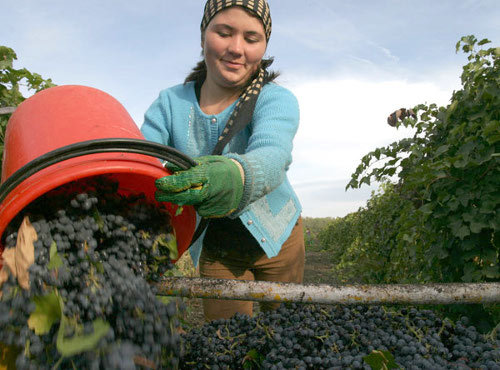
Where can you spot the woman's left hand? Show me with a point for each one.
(214, 186)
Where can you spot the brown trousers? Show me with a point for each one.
(231, 252)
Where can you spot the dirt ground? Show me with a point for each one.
(317, 268)
(316, 271)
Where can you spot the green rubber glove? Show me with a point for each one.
(214, 186)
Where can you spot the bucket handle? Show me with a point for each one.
(107, 145)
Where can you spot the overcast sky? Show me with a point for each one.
(350, 64)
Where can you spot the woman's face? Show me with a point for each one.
(233, 45)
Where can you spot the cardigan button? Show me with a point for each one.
(214, 120)
(249, 222)
(263, 240)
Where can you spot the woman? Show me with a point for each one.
(255, 230)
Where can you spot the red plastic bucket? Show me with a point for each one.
(65, 115)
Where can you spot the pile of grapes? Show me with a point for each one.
(91, 303)
(339, 337)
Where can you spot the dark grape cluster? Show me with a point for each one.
(97, 253)
(340, 337)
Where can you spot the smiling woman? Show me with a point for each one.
(233, 45)
(240, 126)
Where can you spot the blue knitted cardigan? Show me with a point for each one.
(269, 207)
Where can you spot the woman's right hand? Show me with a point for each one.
(214, 186)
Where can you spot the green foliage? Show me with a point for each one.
(381, 360)
(55, 260)
(312, 228)
(364, 245)
(47, 312)
(449, 170)
(437, 216)
(11, 82)
(68, 347)
(339, 235)
(253, 360)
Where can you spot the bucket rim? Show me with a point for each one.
(113, 164)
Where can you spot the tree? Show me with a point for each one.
(11, 80)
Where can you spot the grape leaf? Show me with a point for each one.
(80, 343)
(25, 252)
(172, 247)
(463, 232)
(17, 261)
(47, 312)
(381, 360)
(179, 210)
(170, 242)
(55, 260)
(253, 359)
(98, 219)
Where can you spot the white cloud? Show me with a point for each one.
(386, 52)
(341, 121)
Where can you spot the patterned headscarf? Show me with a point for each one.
(258, 7)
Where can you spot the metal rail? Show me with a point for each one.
(265, 291)
(7, 110)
